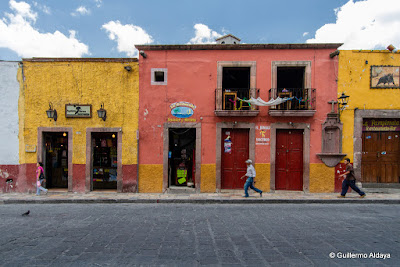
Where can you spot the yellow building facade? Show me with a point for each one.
(371, 120)
(92, 142)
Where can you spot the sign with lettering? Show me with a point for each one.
(263, 134)
(381, 125)
(182, 111)
(78, 111)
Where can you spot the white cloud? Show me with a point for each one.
(18, 34)
(81, 11)
(44, 8)
(305, 34)
(204, 35)
(369, 24)
(23, 9)
(98, 3)
(127, 36)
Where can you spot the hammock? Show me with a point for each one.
(271, 102)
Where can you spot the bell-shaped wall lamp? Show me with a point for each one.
(102, 113)
(51, 113)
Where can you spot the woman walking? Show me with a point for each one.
(39, 179)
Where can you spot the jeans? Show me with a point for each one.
(38, 188)
(249, 183)
(352, 183)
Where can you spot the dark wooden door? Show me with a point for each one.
(289, 160)
(381, 157)
(233, 159)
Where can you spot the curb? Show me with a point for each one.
(200, 201)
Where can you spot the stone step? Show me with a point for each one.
(181, 190)
(381, 190)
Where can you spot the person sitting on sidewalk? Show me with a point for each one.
(251, 174)
(350, 180)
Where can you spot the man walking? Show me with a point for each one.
(250, 174)
(350, 180)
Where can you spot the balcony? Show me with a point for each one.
(302, 103)
(228, 105)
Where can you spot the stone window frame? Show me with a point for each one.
(232, 64)
(40, 140)
(89, 156)
(165, 70)
(252, 145)
(359, 116)
(306, 151)
(194, 125)
(300, 63)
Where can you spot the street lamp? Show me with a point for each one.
(342, 102)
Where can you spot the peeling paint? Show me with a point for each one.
(4, 174)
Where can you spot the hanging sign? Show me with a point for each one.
(383, 125)
(78, 111)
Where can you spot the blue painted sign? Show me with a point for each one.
(182, 112)
(182, 109)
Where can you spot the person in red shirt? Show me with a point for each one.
(350, 180)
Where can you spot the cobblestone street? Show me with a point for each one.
(193, 235)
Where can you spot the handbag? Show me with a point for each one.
(38, 183)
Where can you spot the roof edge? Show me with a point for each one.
(239, 46)
(44, 59)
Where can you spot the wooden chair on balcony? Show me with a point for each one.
(241, 105)
(229, 101)
(286, 105)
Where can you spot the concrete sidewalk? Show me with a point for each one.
(234, 197)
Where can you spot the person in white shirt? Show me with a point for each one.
(250, 174)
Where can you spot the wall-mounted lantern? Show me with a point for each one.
(102, 113)
(51, 113)
(143, 54)
(342, 102)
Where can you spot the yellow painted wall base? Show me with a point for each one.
(208, 178)
(150, 178)
(263, 176)
(322, 178)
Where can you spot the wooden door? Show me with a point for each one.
(381, 157)
(233, 157)
(289, 160)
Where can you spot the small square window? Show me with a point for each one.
(159, 76)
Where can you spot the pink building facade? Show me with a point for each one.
(195, 131)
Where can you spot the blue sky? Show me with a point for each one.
(111, 28)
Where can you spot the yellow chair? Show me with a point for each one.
(229, 102)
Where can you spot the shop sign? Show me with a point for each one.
(30, 148)
(383, 125)
(262, 135)
(78, 111)
(182, 110)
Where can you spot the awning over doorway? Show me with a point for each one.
(272, 102)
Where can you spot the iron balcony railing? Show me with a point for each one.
(227, 99)
(302, 98)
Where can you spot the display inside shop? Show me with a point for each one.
(56, 160)
(104, 161)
